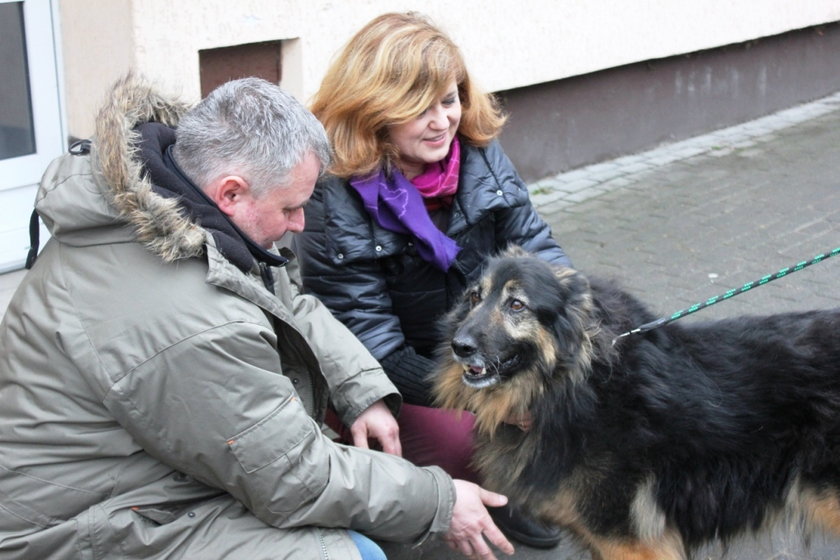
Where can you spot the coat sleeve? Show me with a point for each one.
(215, 407)
(354, 289)
(521, 224)
(355, 378)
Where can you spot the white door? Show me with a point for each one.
(31, 125)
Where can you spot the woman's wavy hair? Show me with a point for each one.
(392, 70)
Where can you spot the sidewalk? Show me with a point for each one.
(690, 220)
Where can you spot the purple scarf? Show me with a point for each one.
(396, 205)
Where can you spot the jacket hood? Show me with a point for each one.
(114, 192)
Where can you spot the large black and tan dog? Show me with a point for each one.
(652, 446)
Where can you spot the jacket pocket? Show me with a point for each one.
(270, 439)
(161, 514)
(279, 454)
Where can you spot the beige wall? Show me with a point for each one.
(507, 43)
(97, 44)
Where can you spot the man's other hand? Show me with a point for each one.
(377, 423)
(471, 522)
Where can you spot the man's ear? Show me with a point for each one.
(228, 192)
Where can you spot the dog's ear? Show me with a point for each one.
(574, 325)
(573, 284)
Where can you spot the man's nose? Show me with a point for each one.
(297, 221)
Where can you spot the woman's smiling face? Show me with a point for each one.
(426, 138)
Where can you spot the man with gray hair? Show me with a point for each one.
(162, 377)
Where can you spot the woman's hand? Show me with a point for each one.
(471, 522)
(377, 423)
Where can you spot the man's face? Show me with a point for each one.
(267, 218)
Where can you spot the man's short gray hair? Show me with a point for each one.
(251, 128)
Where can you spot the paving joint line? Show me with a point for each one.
(579, 184)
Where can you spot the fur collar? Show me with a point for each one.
(158, 223)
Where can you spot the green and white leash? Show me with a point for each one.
(729, 294)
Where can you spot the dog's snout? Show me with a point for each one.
(463, 345)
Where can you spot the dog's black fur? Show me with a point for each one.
(651, 446)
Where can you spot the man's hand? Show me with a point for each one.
(377, 422)
(471, 523)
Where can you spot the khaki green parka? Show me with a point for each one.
(157, 402)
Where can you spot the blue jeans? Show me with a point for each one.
(368, 549)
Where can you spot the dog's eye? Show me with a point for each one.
(475, 298)
(517, 305)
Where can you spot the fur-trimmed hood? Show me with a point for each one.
(108, 191)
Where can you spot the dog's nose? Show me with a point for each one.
(463, 346)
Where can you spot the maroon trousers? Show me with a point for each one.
(429, 436)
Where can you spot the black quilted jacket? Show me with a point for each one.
(374, 281)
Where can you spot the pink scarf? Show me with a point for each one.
(439, 182)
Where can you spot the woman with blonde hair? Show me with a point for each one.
(419, 194)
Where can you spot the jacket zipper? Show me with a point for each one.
(325, 555)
